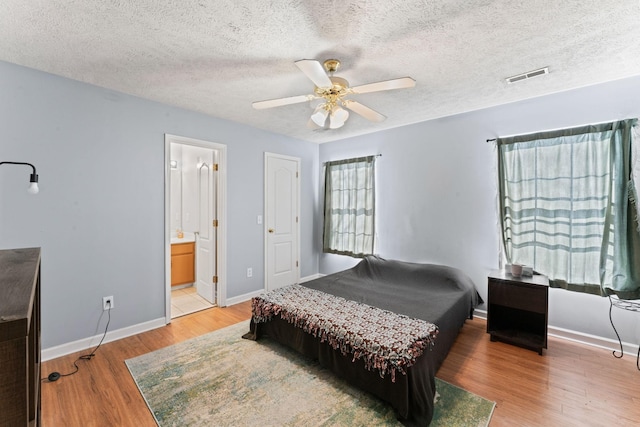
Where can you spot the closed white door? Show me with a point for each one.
(281, 220)
(206, 237)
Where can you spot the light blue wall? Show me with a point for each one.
(436, 190)
(99, 217)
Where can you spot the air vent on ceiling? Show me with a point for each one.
(528, 75)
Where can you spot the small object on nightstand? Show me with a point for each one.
(518, 310)
(526, 270)
(516, 270)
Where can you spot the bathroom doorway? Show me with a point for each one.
(195, 226)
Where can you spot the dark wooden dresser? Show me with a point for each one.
(20, 337)
(518, 310)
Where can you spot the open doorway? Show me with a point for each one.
(195, 225)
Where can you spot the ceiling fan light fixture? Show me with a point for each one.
(338, 117)
(319, 116)
(334, 124)
(332, 92)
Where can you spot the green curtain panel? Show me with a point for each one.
(349, 207)
(567, 202)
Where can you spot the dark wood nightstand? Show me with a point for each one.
(518, 310)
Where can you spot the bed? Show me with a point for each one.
(436, 298)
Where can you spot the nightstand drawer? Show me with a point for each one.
(523, 297)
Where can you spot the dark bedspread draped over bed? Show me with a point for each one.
(442, 295)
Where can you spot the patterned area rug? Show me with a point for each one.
(222, 379)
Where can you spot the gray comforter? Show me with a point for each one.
(438, 294)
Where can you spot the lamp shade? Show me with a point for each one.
(338, 117)
(33, 178)
(33, 184)
(33, 188)
(319, 116)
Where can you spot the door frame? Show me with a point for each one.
(265, 223)
(221, 207)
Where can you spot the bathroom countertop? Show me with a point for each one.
(188, 238)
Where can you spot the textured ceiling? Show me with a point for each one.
(216, 57)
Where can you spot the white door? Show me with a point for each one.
(213, 153)
(206, 236)
(281, 220)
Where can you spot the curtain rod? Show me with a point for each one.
(374, 155)
(562, 128)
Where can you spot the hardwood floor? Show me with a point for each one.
(570, 385)
(103, 393)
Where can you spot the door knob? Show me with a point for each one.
(271, 230)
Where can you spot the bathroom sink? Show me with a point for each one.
(187, 238)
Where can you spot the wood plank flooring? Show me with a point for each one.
(570, 385)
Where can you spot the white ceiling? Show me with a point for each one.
(216, 57)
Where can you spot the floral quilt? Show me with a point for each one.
(386, 341)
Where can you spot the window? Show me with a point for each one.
(349, 207)
(567, 204)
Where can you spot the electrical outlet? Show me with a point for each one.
(107, 303)
(249, 272)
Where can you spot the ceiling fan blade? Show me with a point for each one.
(314, 70)
(363, 110)
(259, 105)
(402, 83)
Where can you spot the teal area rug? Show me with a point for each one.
(221, 379)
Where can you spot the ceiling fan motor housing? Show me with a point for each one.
(338, 88)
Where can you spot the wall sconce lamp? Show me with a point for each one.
(33, 178)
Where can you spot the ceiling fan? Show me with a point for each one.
(334, 91)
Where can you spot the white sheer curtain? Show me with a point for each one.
(349, 207)
(564, 203)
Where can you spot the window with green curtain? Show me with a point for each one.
(567, 204)
(349, 207)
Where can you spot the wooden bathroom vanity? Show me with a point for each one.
(182, 263)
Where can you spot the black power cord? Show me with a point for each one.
(55, 376)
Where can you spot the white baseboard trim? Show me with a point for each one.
(482, 314)
(243, 298)
(312, 277)
(581, 338)
(248, 296)
(89, 343)
(593, 340)
(86, 343)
